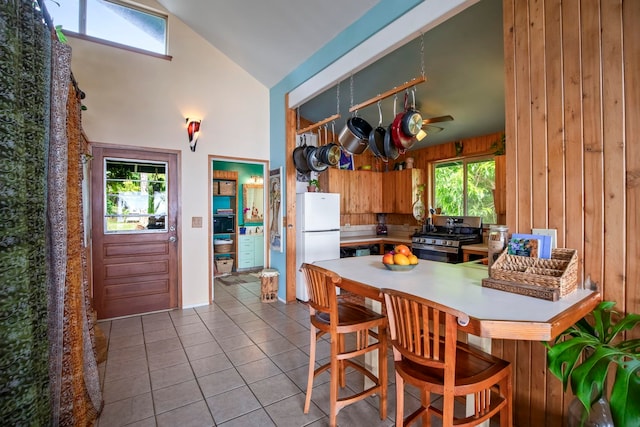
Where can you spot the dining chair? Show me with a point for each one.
(428, 355)
(353, 330)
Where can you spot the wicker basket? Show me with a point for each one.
(224, 265)
(227, 188)
(548, 279)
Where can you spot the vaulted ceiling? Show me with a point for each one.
(462, 57)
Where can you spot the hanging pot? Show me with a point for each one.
(411, 120)
(300, 158)
(376, 138)
(401, 140)
(354, 136)
(390, 149)
(314, 163)
(330, 153)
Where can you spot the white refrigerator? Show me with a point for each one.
(317, 233)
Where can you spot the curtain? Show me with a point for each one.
(24, 123)
(48, 369)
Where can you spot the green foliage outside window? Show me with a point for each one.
(452, 195)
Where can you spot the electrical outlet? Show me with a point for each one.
(347, 225)
(196, 222)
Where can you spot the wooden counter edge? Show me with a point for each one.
(534, 331)
(502, 329)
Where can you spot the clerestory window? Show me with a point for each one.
(113, 21)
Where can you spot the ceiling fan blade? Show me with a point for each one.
(432, 129)
(437, 119)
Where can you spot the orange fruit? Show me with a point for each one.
(402, 249)
(387, 258)
(401, 259)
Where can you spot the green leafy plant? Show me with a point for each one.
(595, 341)
(314, 183)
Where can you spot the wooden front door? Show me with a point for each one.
(135, 231)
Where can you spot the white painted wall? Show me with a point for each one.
(140, 100)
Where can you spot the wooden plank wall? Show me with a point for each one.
(573, 157)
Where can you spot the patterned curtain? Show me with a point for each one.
(48, 370)
(24, 122)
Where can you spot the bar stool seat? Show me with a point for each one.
(343, 320)
(427, 355)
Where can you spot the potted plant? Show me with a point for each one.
(596, 343)
(313, 186)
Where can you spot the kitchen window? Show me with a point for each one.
(466, 187)
(113, 21)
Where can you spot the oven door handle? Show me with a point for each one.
(448, 249)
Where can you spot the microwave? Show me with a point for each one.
(224, 224)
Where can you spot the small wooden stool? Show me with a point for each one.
(269, 285)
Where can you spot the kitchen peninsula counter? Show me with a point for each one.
(493, 313)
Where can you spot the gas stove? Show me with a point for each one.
(443, 240)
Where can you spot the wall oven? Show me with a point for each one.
(224, 224)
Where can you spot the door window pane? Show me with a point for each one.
(135, 196)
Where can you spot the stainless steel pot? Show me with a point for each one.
(354, 136)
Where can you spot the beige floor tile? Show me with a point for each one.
(258, 418)
(197, 338)
(258, 370)
(200, 351)
(125, 341)
(195, 414)
(125, 388)
(172, 375)
(164, 360)
(220, 382)
(289, 412)
(116, 370)
(160, 334)
(175, 396)
(232, 404)
(245, 355)
(274, 389)
(137, 351)
(211, 364)
(164, 346)
(126, 411)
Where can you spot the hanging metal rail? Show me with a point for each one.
(388, 93)
(317, 125)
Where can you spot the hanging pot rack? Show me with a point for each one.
(388, 93)
(318, 124)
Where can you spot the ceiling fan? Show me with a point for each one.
(438, 119)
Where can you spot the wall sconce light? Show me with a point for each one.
(193, 128)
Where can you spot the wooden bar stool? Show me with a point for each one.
(329, 315)
(427, 355)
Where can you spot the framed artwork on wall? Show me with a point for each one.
(275, 211)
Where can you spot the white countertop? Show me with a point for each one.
(455, 285)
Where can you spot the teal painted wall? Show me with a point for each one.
(382, 14)
(245, 172)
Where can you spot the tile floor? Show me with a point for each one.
(237, 362)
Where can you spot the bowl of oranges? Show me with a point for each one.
(400, 259)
